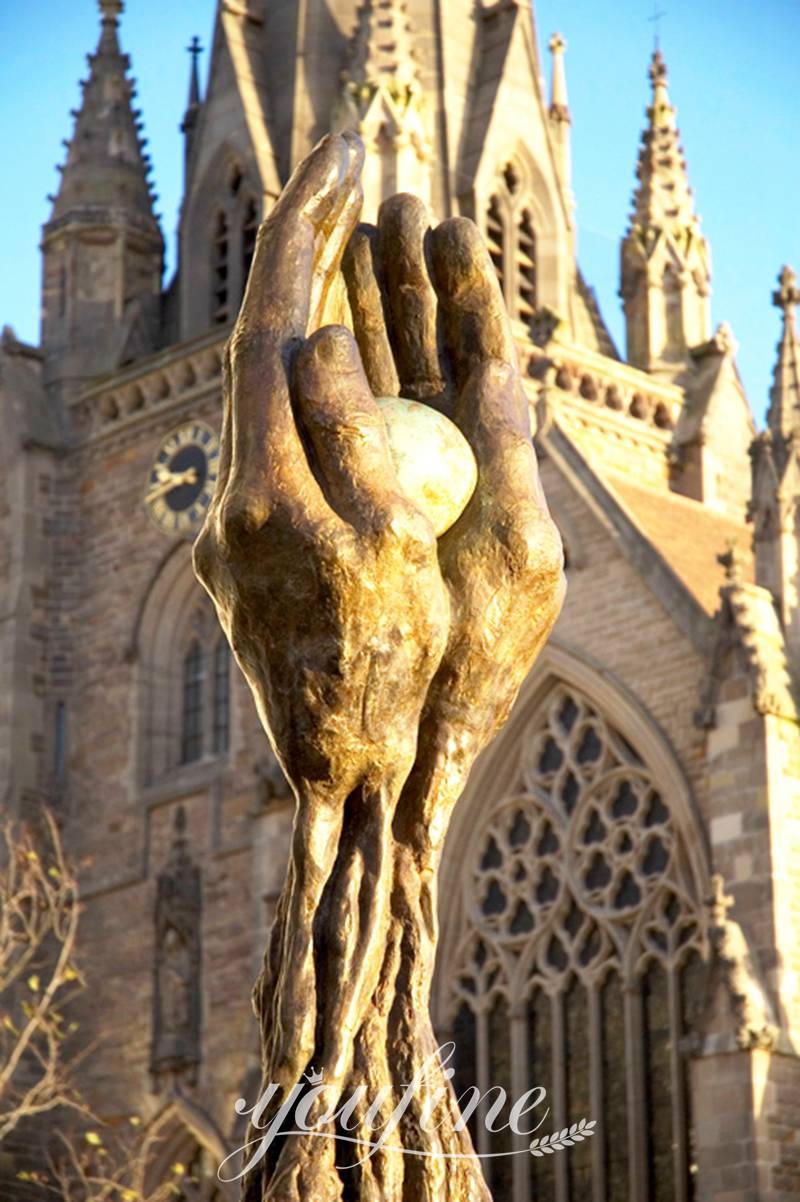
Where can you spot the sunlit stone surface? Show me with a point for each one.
(434, 462)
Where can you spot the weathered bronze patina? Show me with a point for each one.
(381, 660)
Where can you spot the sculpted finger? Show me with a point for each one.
(403, 225)
(475, 324)
(346, 428)
(291, 250)
(342, 223)
(278, 290)
(359, 267)
(492, 413)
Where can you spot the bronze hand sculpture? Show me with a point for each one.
(381, 660)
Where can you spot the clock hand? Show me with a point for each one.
(171, 480)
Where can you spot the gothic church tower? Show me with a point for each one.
(102, 246)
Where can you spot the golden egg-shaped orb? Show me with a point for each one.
(434, 462)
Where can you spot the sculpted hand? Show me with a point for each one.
(324, 577)
(380, 662)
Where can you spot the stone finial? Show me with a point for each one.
(657, 71)
(110, 11)
(788, 294)
(559, 103)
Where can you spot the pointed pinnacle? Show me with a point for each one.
(559, 104)
(788, 295)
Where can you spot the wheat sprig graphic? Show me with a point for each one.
(556, 1141)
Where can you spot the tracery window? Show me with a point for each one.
(580, 957)
(511, 239)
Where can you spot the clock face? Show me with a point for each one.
(180, 484)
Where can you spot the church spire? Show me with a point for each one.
(106, 163)
(101, 292)
(665, 261)
(783, 417)
(663, 196)
(381, 97)
(189, 123)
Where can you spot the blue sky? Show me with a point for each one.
(733, 79)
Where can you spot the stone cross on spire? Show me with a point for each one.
(189, 123)
(783, 417)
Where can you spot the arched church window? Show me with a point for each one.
(511, 240)
(580, 955)
(249, 230)
(233, 235)
(220, 266)
(222, 695)
(192, 713)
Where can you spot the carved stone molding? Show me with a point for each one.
(150, 386)
(747, 624)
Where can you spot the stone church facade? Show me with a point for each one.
(620, 900)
